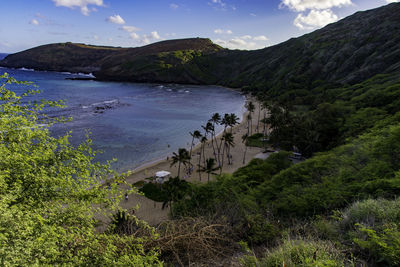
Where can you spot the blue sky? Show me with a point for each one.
(236, 24)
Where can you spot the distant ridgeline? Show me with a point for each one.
(3, 55)
(347, 52)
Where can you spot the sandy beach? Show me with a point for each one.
(151, 211)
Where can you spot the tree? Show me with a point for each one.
(244, 141)
(174, 189)
(195, 135)
(229, 142)
(203, 144)
(209, 168)
(50, 192)
(182, 157)
(250, 107)
(215, 120)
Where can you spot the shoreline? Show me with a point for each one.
(154, 162)
(151, 211)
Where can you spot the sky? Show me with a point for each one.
(235, 24)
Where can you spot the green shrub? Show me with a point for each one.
(372, 213)
(304, 253)
(383, 247)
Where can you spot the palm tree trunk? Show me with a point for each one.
(208, 177)
(244, 156)
(199, 166)
(229, 155)
(220, 146)
(212, 143)
(251, 125)
(191, 147)
(179, 168)
(258, 121)
(222, 163)
(265, 115)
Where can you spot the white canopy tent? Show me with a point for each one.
(162, 176)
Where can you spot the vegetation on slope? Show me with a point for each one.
(50, 193)
(332, 94)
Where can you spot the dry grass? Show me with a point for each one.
(189, 240)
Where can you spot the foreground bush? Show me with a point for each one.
(50, 192)
(300, 253)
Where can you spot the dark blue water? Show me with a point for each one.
(135, 123)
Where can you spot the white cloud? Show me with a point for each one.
(134, 36)
(260, 38)
(155, 35)
(302, 5)
(116, 19)
(173, 6)
(315, 18)
(82, 4)
(34, 22)
(392, 1)
(96, 37)
(129, 28)
(243, 42)
(253, 15)
(246, 37)
(221, 31)
(147, 38)
(218, 2)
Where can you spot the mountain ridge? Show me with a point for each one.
(346, 52)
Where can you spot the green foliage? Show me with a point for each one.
(366, 167)
(256, 140)
(230, 197)
(303, 253)
(383, 246)
(371, 213)
(50, 192)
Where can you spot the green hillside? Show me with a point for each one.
(333, 95)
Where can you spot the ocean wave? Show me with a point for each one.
(90, 75)
(25, 69)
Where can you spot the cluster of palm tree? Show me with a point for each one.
(221, 148)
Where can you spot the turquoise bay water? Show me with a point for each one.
(135, 123)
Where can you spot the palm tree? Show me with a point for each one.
(250, 107)
(248, 123)
(265, 107)
(259, 114)
(229, 142)
(209, 167)
(244, 141)
(215, 119)
(203, 144)
(181, 158)
(195, 135)
(233, 120)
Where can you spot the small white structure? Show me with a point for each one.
(162, 176)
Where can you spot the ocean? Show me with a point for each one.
(132, 122)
